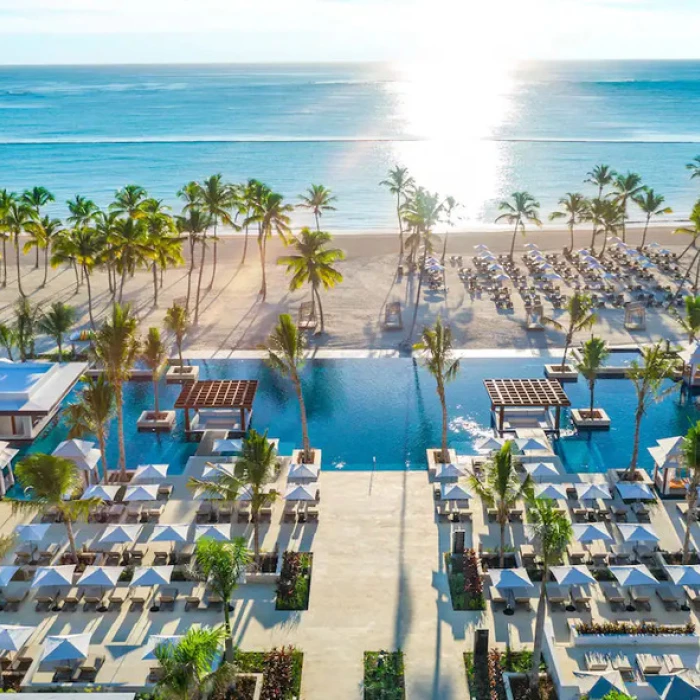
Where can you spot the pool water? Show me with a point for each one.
(384, 413)
(622, 358)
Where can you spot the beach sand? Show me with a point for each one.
(233, 317)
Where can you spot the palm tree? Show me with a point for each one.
(552, 533)
(193, 224)
(523, 208)
(43, 232)
(574, 208)
(82, 211)
(116, 347)
(18, 216)
(216, 199)
(399, 183)
(318, 199)
(221, 565)
(35, 199)
(651, 204)
(8, 339)
(46, 479)
(694, 167)
(691, 458)
(165, 248)
(249, 194)
(6, 198)
(649, 379)
(437, 344)
(128, 201)
(691, 320)
(104, 222)
(581, 318)
(257, 467)
(627, 186)
(56, 322)
(189, 668)
(500, 487)
(601, 176)
(154, 354)
(26, 318)
(694, 233)
(92, 414)
(285, 354)
(449, 206)
(131, 247)
(594, 352)
(313, 263)
(176, 322)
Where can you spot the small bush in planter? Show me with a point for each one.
(384, 675)
(294, 584)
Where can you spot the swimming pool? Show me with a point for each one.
(622, 358)
(384, 413)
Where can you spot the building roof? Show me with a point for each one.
(526, 392)
(218, 393)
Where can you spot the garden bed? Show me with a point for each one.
(466, 588)
(281, 669)
(294, 585)
(520, 688)
(486, 682)
(384, 675)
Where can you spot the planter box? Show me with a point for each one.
(148, 422)
(600, 422)
(265, 577)
(296, 457)
(634, 640)
(432, 461)
(568, 374)
(177, 374)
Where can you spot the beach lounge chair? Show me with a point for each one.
(167, 597)
(311, 514)
(71, 599)
(204, 512)
(117, 596)
(46, 555)
(580, 598)
(613, 595)
(641, 597)
(115, 512)
(46, 598)
(392, 316)
(693, 595)
(225, 512)
(164, 492)
(527, 555)
(669, 599)
(649, 663)
(185, 553)
(595, 661)
(140, 596)
(674, 663)
(133, 513)
(193, 599)
(93, 597)
(153, 513)
(289, 514)
(243, 514)
(577, 555)
(496, 596)
(556, 596)
(113, 557)
(160, 558)
(87, 670)
(214, 600)
(306, 317)
(14, 595)
(622, 664)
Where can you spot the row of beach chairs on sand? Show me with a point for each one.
(647, 664)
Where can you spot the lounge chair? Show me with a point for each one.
(47, 554)
(306, 316)
(311, 514)
(674, 663)
(185, 553)
(669, 599)
(14, 595)
(72, 599)
(214, 600)
(113, 558)
(595, 661)
(580, 598)
(115, 512)
(133, 513)
(289, 514)
(641, 597)
(649, 663)
(225, 512)
(153, 513)
(87, 670)
(243, 514)
(193, 599)
(613, 595)
(392, 316)
(117, 596)
(556, 596)
(204, 512)
(140, 596)
(160, 558)
(576, 555)
(164, 492)
(46, 598)
(167, 597)
(622, 664)
(693, 595)
(496, 596)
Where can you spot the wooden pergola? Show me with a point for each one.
(526, 393)
(219, 394)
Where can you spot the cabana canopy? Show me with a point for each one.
(299, 493)
(634, 491)
(103, 576)
(637, 532)
(66, 647)
(590, 492)
(588, 532)
(53, 576)
(637, 575)
(212, 470)
(447, 472)
(489, 444)
(454, 492)
(572, 575)
(303, 472)
(14, 637)
(119, 534)
(510, 578)
(152, 576)
(170, 533)
(150, 472)
(556, 492)
(684, 575)
(541, 469)
(106, 492)
(220, 533)
(142, 493)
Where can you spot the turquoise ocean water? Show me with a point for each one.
(90, 130)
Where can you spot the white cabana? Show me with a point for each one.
(556, 492)
(220, 533)
(33, 532)
(53, 576)
(14, 637)
(592, 492)
(684, 575)
(7, 573)
(454, 492)
(634, 491)
(510, 578)
(102, 576)
(572, 575)
(589, 532)
(120, 534)
(489, 444)
(170, 533)
(213, 470)
(303, 472)
(7, 454)
(159, 640)
(106, 492)
(541, 470)
(637, 532)
(227, 446)
(142, 492)
(152, 576)
(66, 647)
(302, 492)
(636, 575)
(449, 472)
(668, 451)
(84, 454)
(149, 472)
(531, 445)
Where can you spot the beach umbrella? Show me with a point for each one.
(66, 647)
(531, 246)
(119, 534)
(246, 494)
(212, 470)
(634, 491)
(488, 257)
(454, 492)
(170, 533)
(83, 453)
(227, 446)
(673, 687)
(572, 575)
(592, 492)
(159, 640)
(104, 492)
(14, 637)
(582, 251)
(149, 472)
(447, 472)
(501, 278)
(220, 533)
(637, 532)
(684, 575)
(510, 578)
(588, 532)
(633, 575)
(495, 267)
(152, 576)
(481, 247)
(53, 576)
(552, 276)
(302, 492)
(141, 493)
(541, 470)
(34, 532)
(489, 444)
(672, 446)
(7, 453)
(303, 471)
(7, 574)
(557, 492)
(101, 576)
(595, 686)
(531, 444)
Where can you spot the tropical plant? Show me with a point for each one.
(551, 533)
(691, 320)
(92, 413)
(6, 198)
(8, 339)
(691, 458)
(116, 347)
(43, 232)
(193, 224)
(248, 195)
(313, 264)
(523, 208)
(217, 199)
(285, 354)
(26, 318)
(221, 565)
(694, 167)
(56, 322)
(35, 199)
(128, 201)
(82, 211)
(317, 198)
(627, 186)
(177, 322)
(436, 343)
(581, 318)
(131, 247)
(594, 352)
(601, 176)
(449, 206)
(46, 480)
(606, 216)
(399, 183)
(165, 248)
(649, 380)
(651, 204)
(500, 487)
(17, 217)
(574, 208)
(154, 355)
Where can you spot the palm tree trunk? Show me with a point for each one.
(74, 265)
(89, 291)
(512, 243)
(398, 216)
(4, 262)
(304, 423)
(121, 284)
(120, 428)
(155, 286)
(571, 233)
(566, 352)
(443, 404)
(213, 269)
(179, 352)
(318, 223)
(502, 551)
(320, 308)
(539, 637)
(632, 469)
(593, 235)
(19, 277)
(644, 235)
(420, 285)
(685, 278)
(103, 451)
(228, 641)
(189, 279)
(36, 256)
(199, 281)
(155, 395)
(691, 499)
(444, 250)
(46, 266)
(59, 342)
(245, 244)
(624, 219)
(261, 247)
(256, 533)
(71, 539)
(592, 396)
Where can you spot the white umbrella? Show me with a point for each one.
(489, 444)
(673, 687)
(557, 492)
(159, 640)
(102, 491)
(596, 686)
(684, 575)
(152, 576)
(510, 578)
(495, 266)
(220, 533)
(572, 575)
(454, 492)
(170, 533)
(552, 276)
(303, 471)
(448, 471)
(14, 637)
(637, 532)
(303, 492)
(66, 647)
(7, 573)
(592, 492)
(149, 472)
(637, 575)
(488, 257)
(227, 446)
(502, 278)
(53, 576)
(119, 534)
(588, 532)
(246, 494)
(634, 491)
(481, 246)
(74, 449)
(531, 445)
(34, 532)
(541, 469)
(531, 246)
(141, 493)
(672, 446)
(212, 470)
(102, 576)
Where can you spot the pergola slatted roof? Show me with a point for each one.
(218, 393)
(526, 392)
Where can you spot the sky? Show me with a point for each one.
(433, 32)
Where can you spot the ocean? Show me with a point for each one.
(539, 127)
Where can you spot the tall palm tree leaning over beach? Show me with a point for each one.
(601, 176)
(449, 206)
(436, 343)
(691, 320)
(193, 224)
(574, 208)
(116, 347)
(35, 199)
(6, 198)
(694, 167)
(694, 234)
(627, 186)
(18, 216)
(312, 263)
(523, 208)
(399, 183)
(317, 199)
(217, 200)
(651, 204)
(44, 232)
